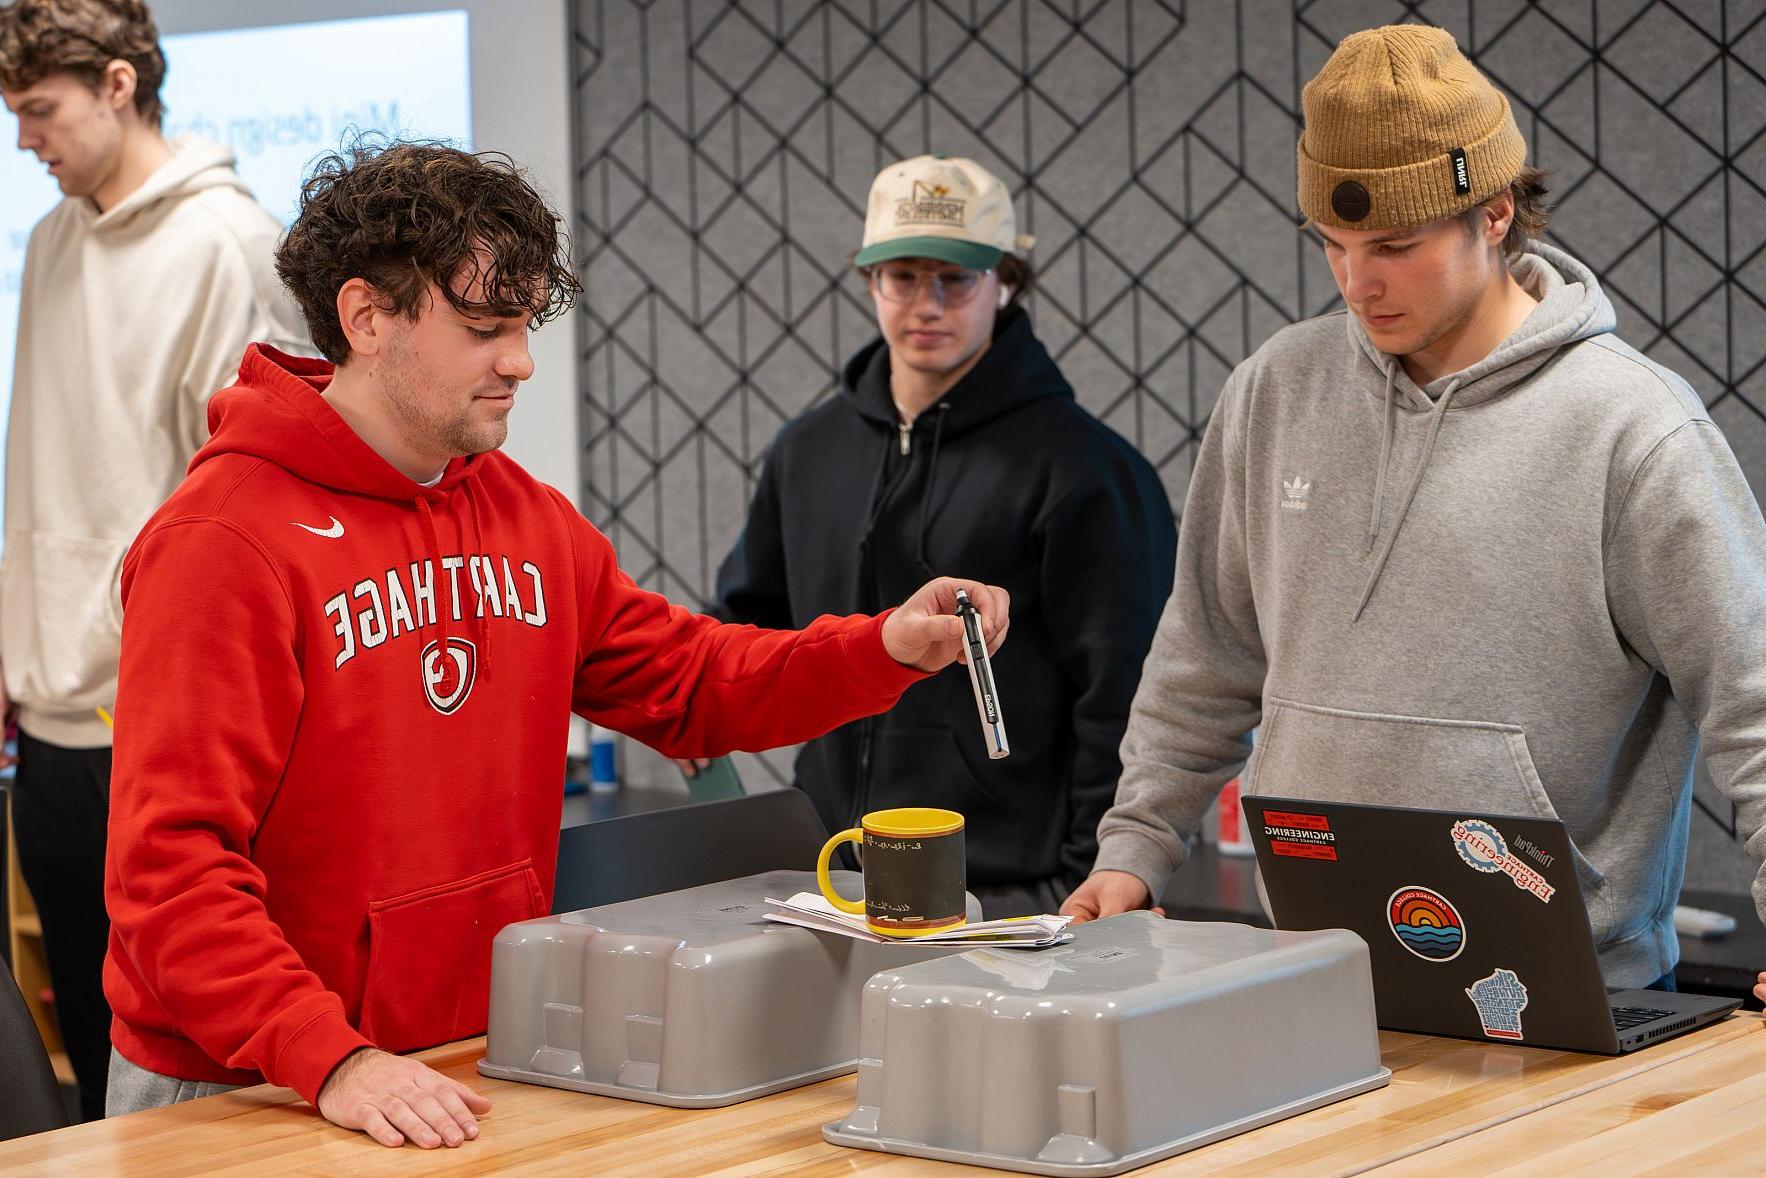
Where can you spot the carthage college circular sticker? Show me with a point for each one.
(1425, 923)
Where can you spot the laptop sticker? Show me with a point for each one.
(1482, 846)
(1426, 923)
(1500, 998)
(1299, 836)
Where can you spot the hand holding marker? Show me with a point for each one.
(993, 722)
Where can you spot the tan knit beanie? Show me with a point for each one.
(1402, 130)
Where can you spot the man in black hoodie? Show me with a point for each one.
(956, 442)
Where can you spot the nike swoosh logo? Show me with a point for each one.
(330, 533)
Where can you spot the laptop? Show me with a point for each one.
(1474, 923)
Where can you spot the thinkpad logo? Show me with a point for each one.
(1294, 494)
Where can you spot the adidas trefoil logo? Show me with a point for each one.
(1294, 494)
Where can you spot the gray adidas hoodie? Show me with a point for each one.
(1527, 588)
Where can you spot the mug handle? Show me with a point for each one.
(856, 907)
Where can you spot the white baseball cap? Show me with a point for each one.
(935, 206)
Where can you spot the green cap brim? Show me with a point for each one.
(968, 254)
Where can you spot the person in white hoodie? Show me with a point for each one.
(141, 290)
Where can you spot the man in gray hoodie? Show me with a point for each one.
(1457, 545)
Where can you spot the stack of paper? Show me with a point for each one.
(1019, 932)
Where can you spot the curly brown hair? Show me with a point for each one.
(82, 37)
(402, 215)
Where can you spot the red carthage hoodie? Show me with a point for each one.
(341, 730)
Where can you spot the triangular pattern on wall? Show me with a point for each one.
(725, 147)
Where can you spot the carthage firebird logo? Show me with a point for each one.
(448, 676)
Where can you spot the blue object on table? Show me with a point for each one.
(603, 769)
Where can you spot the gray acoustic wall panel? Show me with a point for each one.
(724, 151)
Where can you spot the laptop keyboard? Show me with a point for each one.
(1626, 1017)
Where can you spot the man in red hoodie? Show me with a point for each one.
(353, 640)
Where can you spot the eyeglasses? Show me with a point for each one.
(902, 284)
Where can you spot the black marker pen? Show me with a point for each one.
(987, 700)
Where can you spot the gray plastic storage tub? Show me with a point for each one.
(1140, 1039)
(690, 998)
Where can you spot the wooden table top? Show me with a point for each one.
(1695, 1114)
(1485, 1106)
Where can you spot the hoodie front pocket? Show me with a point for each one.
(1334, 755)
(429, 956)
(61, 621)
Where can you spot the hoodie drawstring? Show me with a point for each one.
(480, 624)
(875, 500)
(1416, 480)
(486, 587)
(1373, 523)
(441, 613)
(926, 497)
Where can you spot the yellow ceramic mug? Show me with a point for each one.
(914, 873)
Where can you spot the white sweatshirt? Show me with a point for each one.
(128, 321)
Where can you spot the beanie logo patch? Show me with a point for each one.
(1350, 201)
(1462, 178)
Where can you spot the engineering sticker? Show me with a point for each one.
(1426, 923)
(1484, 848)
(1299, 836)
(1500, 999)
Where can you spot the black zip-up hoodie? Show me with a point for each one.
(1007, 480)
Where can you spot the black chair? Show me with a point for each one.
(30, 1099)
(666, 850)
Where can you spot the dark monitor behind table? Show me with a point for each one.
(679, 847)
